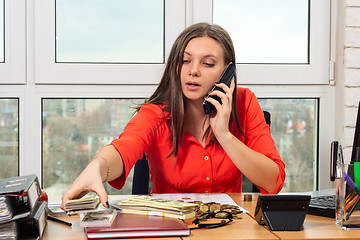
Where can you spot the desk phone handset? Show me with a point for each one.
(226, 77)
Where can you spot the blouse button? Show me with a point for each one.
(206, 191)
(207, 178)
(206, 158)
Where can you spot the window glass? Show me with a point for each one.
(2, 31)
(266, 31)
(9, 137)
(110, 31)
(73, 130)
(294, 130)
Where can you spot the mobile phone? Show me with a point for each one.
(226, 77)
(333, 159)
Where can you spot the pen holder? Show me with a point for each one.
(347, 197)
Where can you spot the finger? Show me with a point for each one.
(70, 194)
(232, 85)
(214, 102)
(103, 196)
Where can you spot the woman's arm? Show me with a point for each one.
(258, 168)
(106, 165)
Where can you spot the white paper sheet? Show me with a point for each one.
(221, 198)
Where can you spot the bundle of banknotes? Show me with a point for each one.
(148, 205)
(82, 205)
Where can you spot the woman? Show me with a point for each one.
(187, 150)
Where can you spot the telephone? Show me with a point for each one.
(226, 77)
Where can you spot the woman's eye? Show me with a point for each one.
(185, 61)
(209, 64)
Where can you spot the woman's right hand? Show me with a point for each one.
(90, 180)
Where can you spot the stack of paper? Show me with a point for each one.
(8, 230)
(148, 205)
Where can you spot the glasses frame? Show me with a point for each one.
(208, 215)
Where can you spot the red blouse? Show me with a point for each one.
(197, 169)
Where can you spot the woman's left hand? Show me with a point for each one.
(219, 119)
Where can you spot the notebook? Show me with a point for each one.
(128, 225)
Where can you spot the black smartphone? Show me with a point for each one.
(226, 77)
(333, 159)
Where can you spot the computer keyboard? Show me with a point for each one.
(323, 206)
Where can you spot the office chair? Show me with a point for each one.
(141, 178)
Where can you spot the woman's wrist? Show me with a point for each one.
(104, 167)
(224, 138)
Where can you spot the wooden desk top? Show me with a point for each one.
(315, 227)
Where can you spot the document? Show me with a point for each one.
(221, 198)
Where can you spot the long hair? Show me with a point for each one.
(169, 92)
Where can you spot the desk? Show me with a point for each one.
(315, 227)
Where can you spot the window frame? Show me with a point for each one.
(50, 72)
(36, 84)
(316, 72)
(13, 70)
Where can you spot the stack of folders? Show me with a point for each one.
(148, 205)
(22, 214)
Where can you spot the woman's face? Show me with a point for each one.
(203, 64)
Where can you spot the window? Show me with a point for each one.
(73, 130)
(274, 40)
(294, 130)
(54, 79)
(9, 137)
(264, 32)
(2, 32)
(94, 45)
(107, 31)
(12, 30)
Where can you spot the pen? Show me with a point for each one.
(351, 183)
(58, 220)
(352, 208)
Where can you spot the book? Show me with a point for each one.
(133, 225)
(18, 195)
(101, 218)
(8, 230)
(33, 226)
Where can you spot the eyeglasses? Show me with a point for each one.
(217, 214)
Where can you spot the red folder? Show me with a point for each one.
(134, 226)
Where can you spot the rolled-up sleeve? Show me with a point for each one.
(137, 137)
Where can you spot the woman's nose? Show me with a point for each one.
(194, 71)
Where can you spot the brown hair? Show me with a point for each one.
(169, 90)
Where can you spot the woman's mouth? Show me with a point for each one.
(192, 86)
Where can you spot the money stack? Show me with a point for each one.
(82, 205)
(148, 205)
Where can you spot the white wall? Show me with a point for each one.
(348, 67)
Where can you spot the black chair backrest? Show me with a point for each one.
(141, 177)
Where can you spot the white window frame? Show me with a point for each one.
(13, 70)
(316, 72)
(39, 76)
(49, 72)
(311, 80)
